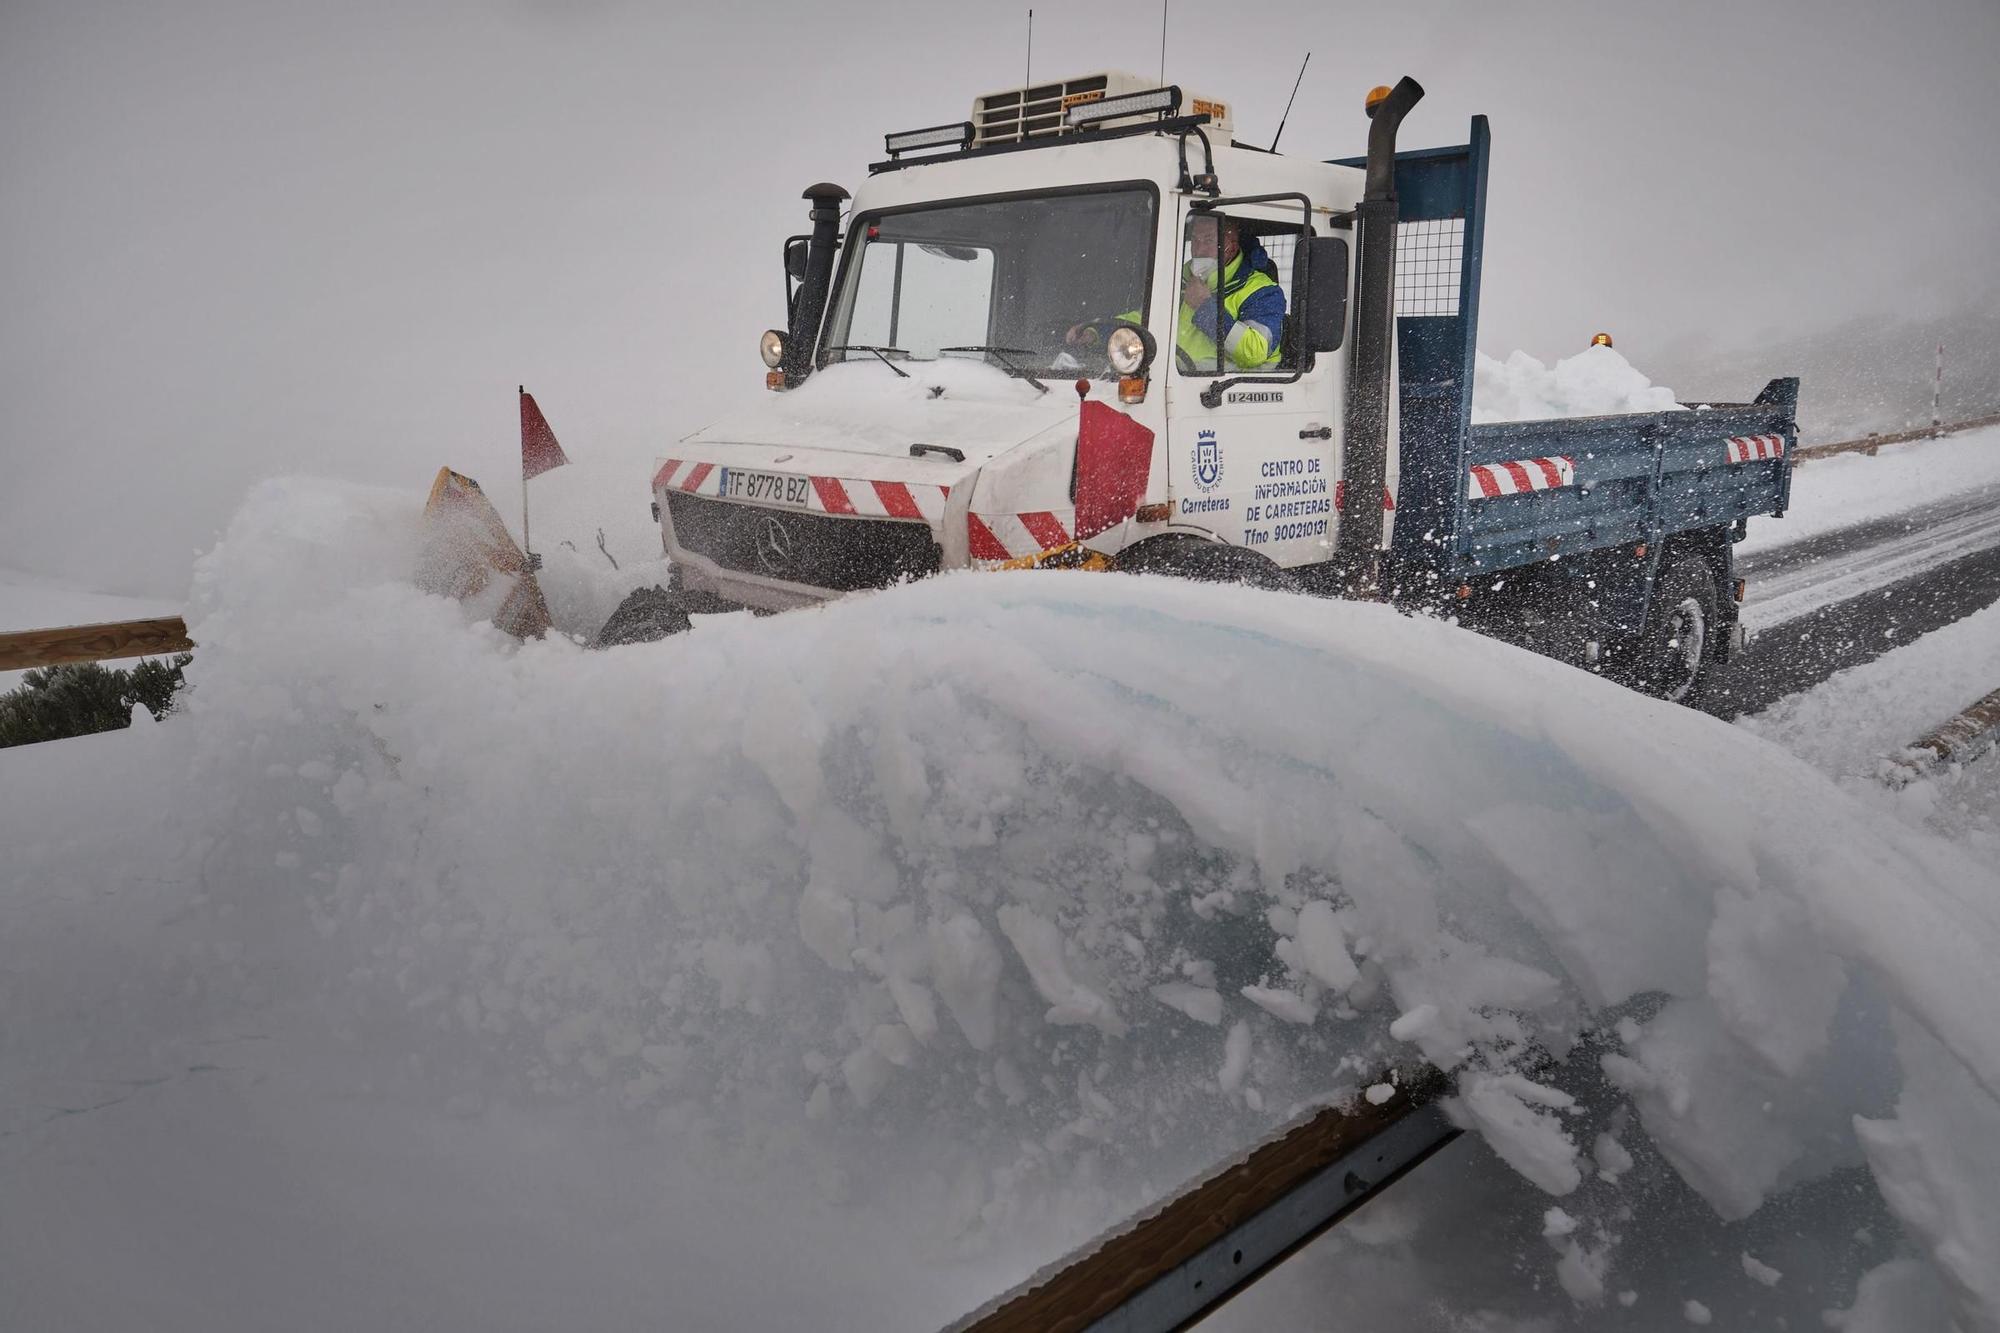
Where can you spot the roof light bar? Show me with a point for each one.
(955, 135)
(1160, 101)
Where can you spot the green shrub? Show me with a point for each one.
(78, 699)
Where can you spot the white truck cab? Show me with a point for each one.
(1019, 352)
(987, 362)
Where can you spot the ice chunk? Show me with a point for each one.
(1197, 1002)
(966, 966)
(1414, 1024)
(1323, 946)
(1760, 1272)
(1040, 946)
(1235, 1057)
(1938, 1168)
(1514, 1115)
(1288, 1005)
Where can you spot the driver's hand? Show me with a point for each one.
(1085, 332)
(1194, 293)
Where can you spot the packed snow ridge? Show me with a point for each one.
(981, 911)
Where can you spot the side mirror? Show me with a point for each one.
(1325, 286)
(795, 258)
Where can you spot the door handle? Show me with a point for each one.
(1317, 433)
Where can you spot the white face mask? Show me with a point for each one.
(1202, 268)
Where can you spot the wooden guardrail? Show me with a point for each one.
(1869, 444)
(25, 649)
(1960, 739)
(1181, 1259)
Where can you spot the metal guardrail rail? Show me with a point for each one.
(1171, 1266)
(27, 649)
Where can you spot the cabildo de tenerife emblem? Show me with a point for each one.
(1207, 460)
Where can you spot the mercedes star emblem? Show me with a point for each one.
(774, 547)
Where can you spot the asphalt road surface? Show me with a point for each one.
(1846, 597)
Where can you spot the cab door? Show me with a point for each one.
(1251, 450)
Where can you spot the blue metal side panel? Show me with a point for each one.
(1638, 478)
(1435, 353)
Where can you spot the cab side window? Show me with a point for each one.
(1236, 299)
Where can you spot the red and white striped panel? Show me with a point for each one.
(1751, 448)
(1011, 536)
(830, 495)
(1520, 476)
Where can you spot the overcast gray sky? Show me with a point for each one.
(239, 239)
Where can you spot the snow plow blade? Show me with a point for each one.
(1180, 1261)
(469, 555)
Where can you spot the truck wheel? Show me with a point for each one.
(1673, 651)
(645, 615)
(1204, 561)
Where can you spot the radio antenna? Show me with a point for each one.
(1288, 103)
(1163, 43)
(1029, 77)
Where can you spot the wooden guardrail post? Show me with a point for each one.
(27, 649)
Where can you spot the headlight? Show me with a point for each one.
(1126, 349)
(772, 348)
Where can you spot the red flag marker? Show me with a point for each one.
(539, 450)
(539, 453)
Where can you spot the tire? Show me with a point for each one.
(1671, 655)
(1204, 561)
(644, 616)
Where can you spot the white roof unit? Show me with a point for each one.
(1015, 114)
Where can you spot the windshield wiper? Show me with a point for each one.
(881, 354)
(1000, 354)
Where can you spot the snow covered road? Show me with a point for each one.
(1800, 578)
(1875, 553)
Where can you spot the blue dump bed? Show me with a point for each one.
(1598, 482)
(1481, 499)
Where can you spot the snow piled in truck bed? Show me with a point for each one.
(844, 967)
(1597, 381)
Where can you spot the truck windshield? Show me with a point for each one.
(1040, 278)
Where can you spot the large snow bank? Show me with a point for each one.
(1597, 381)
(909, 940)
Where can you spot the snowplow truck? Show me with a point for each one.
(1046, 337)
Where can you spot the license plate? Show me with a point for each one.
(771, 488)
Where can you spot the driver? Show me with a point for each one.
(1251, 316)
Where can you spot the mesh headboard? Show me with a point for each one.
(1441, 204)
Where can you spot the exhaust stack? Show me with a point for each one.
(802, 338)
(1365, 468)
